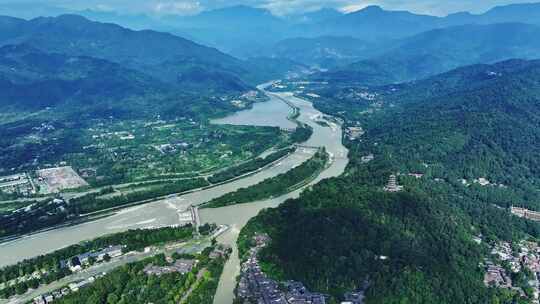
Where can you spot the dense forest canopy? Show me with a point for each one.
(416, 246)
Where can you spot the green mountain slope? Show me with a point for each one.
(164, 56)
(32, 80)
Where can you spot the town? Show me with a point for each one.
(516, 267)
(256, 287)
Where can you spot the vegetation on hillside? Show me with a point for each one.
(417, 246)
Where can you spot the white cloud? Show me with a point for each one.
(104, 7)
(354, 7)
(177, 7)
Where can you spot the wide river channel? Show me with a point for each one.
(166, 212)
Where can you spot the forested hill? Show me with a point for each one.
(164, 56)
(31, 80)
(416, 246)
(478, 121)
(472, 122)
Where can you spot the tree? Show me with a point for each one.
(91, 260)
(112, 298)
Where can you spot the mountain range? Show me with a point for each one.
(244, 31)
(165, 57)
(441, 50)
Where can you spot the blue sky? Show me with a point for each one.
(279, 7)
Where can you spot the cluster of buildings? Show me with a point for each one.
(354, 133)
(182, 266)
(245, 99)
(522, 256)
(60, 293)
(176, 146)
(367, 158)
(220, 251)
(44, 127)
(77, 262)
(122, 135)
(496, 276)
(47, 181)
(525, 213)
(255, 286)
(481, 181)
(17, 183)
(357, 94)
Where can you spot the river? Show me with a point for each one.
(237, 216)
(166, 212)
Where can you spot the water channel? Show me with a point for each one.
(166, 212)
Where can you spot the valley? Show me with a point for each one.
(389, 156)
(165, 213)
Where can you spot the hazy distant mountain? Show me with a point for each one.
(341, 39)
(243, 30)
(29, 10)
(373, 23)
(132, 21)
(230, 29)
(233, 17)
(441, 50)
(524, 13)
(315, 16)
(324, 52)
(160, 55)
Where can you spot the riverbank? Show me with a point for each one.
(237, 216)
(276, 186)
(160, 213)
(100, 214)
(166, 212)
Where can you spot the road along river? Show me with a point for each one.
(166, 212)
